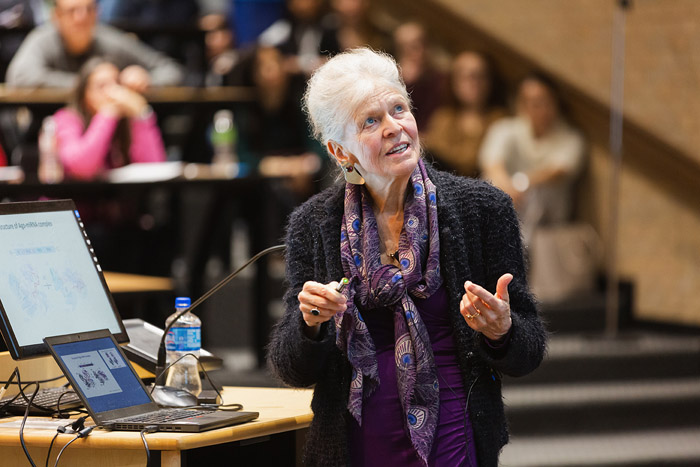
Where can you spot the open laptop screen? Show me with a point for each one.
(50, 280)
(100, 372)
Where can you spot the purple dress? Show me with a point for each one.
(383, 440)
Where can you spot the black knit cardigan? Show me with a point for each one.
(479, 241)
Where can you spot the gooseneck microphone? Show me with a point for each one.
(160, 363)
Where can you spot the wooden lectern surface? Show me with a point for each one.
(281, 410)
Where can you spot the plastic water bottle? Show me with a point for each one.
(223, 139)
(185, 337)
(50, 167)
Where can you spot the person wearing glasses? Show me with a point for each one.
(53, 53)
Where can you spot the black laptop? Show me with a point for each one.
(113, 393)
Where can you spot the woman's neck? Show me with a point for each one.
(388, 199)
(388, 205)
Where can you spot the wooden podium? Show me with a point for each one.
(279, 431)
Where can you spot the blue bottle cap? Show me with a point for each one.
(182, 302)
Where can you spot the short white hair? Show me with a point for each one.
(336, 89)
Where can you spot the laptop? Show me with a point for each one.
(113, 393)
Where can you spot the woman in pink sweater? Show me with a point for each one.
(106, 125)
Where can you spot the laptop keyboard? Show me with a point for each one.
(163, 416)
(46, 401)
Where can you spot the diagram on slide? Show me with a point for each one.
(92, 373)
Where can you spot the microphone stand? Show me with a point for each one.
(161, 362)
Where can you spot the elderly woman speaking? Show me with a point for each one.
(407, 358)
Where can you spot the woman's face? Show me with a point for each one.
(470, 80)
(269, 70)
(382, 138)
(538, 104)
(103, 76)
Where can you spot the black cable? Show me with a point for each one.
(81, 434)
(75, 425)
(58, 402)
(222, 407)
(161, 347)
(148, 429)
(48, 455)
(41, 381)
(167, 367)
(64, 448)
(24, 420)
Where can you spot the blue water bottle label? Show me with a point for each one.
(184, 339)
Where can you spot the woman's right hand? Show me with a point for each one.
(322, 297)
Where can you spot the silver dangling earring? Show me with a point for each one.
(351, 174)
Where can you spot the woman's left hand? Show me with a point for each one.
(487, 313)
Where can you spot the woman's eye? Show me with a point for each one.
(399, 108)
(370, 121)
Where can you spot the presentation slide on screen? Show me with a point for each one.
(92, 373)
(49, 284)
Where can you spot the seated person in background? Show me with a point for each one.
(305, 37)
(426, 84)
(536, 156)
(222, 55)
(106, 124)
(456, 130)
(272, 129)
(52, 54)
(173, 27)
(355, 26)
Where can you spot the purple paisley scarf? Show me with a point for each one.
(375, 285)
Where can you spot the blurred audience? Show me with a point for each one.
(306, 36)
(273, 134)
(355, 26)
(536, 156)
(222, 55)
(106, 124)
(52, 54)
(426, 84)
(16, 16)
(174, 27)
(475, 100)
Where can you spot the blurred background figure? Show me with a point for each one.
(273, 134)
(17, 16)
(475, 100)
(106, 124)
(174, 27)
(222, 55)
(306, 37)
(355, 26)
(52, 54)
(536, 156)
(425, 83)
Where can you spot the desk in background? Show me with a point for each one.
(277, 433)
(119, 282)
(55, 98)
(198, 104)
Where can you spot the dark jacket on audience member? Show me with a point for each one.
(479, 241)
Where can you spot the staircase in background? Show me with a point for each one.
(629, 401)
